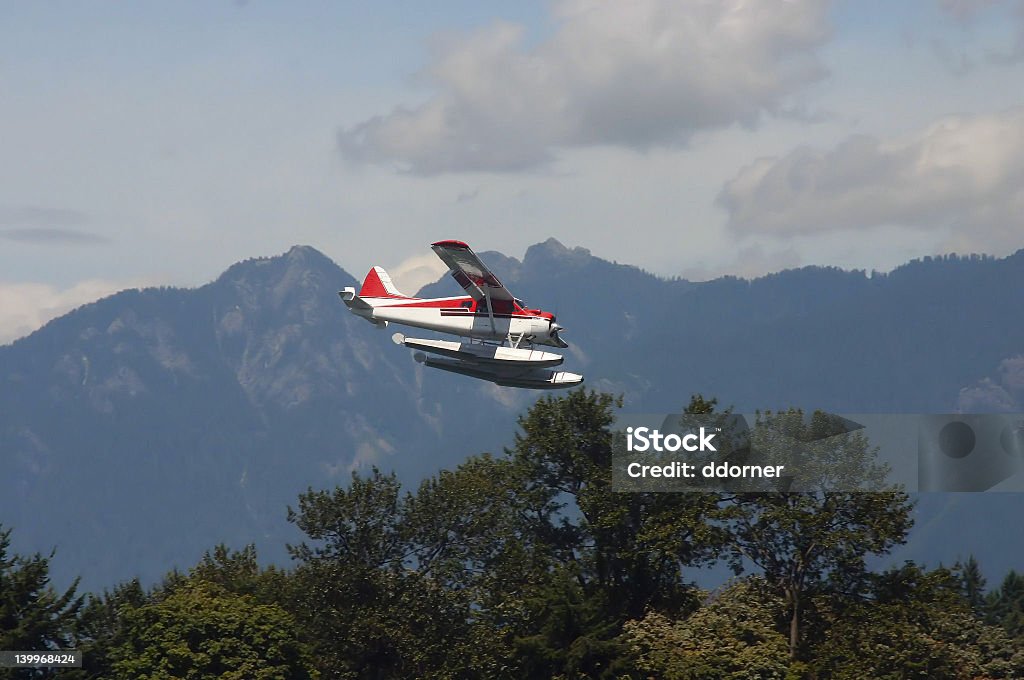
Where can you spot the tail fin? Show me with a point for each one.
(378, 284)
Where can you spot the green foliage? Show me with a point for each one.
(202, 631)
(815, 542)
(101, 628)
(628, 552)
(972, 584)
(632, 547)
(570, 635)
(238, 572)
(358, 525)
(731, 637)
(387, 588)
(475, 528)
(700, 405)
(382, 624)
(914, 624)
(104, 624)
(33, 616)
(531, 552)
(1004, 606)
(529, 565)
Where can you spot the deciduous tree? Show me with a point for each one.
(816, 541)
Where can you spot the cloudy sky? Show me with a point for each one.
(158, 143)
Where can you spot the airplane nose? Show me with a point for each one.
(555, 329)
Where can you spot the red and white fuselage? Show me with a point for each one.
(502, 331)
(462, 315)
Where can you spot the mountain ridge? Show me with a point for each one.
(143, 428)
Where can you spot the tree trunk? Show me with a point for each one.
(794, 623)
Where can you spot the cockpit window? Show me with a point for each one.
(468, 304)
(520, 303)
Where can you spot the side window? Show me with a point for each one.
(502, 306)
(468, 304)
(481, 306)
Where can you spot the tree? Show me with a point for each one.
(390, 584)
(972, 584)
(627, 552)
(526, 563)
(105, 623)
(1005, 605)
(570, 634)
(33, 616)
(631, 546)
(913, 623)
(731, 637)
(816, 541)
(200, 630)
(101, 628)
(239, 572)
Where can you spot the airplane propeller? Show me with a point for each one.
(555, 330)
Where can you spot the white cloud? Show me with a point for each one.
(636, 74)
(986, 396)
(962, 174)
(417, 271)
(25, 307)
(1002, 393)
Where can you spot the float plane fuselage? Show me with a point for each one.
(501, 331)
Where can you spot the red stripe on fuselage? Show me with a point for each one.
(452, 303)
(417, 303)
(485, 315)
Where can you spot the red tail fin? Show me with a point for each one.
(378, 284)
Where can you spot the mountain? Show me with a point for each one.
(140, 430)
(142, 427)
(904, 342)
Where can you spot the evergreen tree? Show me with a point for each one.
(1005, 605)
(101, 628)
(972, 584)
(33, 616)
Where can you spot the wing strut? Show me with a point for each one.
(490, 308)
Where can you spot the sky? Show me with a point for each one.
(158, 143)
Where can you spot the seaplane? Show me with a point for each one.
(500, 335)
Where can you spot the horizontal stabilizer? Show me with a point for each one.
(360, 307)
(353, 301)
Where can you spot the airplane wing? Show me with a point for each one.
(472, 274)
